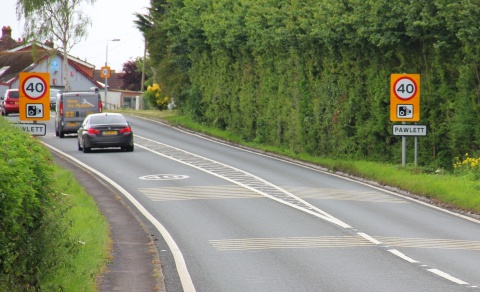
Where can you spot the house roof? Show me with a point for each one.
(114, 82)
(16, 61)
(13, 63)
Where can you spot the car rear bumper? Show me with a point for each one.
(107, 141)
(11, 109)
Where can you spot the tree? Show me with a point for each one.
(132, 76)
(57, 20)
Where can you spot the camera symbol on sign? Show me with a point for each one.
(405, 111)
(34, 110)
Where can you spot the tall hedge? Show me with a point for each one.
(33, 236)
(314, 76)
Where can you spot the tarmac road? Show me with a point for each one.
(135, 264)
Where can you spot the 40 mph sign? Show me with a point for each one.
(34, 96)
(405, 97)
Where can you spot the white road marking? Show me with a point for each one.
(403, 256)
(447, 276)
(183, 273)
(369, 238)
(216, 168)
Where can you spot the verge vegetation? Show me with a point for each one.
(53, 237)
(314, 76)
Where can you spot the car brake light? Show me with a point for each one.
(93, 131)
(61, 108)
(100, 107)
(126, 130)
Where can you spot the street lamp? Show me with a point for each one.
(106, 76)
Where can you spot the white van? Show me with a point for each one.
(72, 108)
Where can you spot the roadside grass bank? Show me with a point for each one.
(53, 236)
(91, 231)
(440, 187)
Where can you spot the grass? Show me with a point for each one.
(90, 228)
(443, 188)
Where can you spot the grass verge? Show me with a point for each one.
(90, 228)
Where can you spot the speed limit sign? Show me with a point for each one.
(405, 97)
(34, 96)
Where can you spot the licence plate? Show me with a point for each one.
(72, 124)
(109, 133)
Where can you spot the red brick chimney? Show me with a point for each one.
(6, 31)
(49, 43)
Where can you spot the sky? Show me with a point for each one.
(110, 19)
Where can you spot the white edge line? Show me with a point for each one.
(402, 256)
(183, 273)
(447, 276)
(319, 170)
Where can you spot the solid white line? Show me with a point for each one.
(369, 238)
(402, 256)
(447, 276)
(183, 273)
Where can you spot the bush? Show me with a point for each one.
(155, 98)
(33, 236)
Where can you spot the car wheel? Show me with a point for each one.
(61, 134)
(79, 147)
(85, 149)
(129, 148)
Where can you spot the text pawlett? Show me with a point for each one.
(409, 130)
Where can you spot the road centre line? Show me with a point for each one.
(447, 276)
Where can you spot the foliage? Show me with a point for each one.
(313, 76)
(468, 166)
(33, 238)
(132, 76)
(154, 97)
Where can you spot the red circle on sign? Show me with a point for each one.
(43, 84)
(411, 94)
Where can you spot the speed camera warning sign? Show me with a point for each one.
(34, 96)
(105, 72)
(405, 97)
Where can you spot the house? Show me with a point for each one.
(116, 96)
(17, 56)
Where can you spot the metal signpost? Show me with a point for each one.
(405, 107)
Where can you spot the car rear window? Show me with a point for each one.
(13, 94)
(106, 119)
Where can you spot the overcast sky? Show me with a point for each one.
(111, 19)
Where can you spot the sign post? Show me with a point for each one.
(405, 107)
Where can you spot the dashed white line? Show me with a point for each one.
(402, 256)
(447, 276)
(369, 238)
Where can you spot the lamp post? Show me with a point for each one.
(106, 65)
